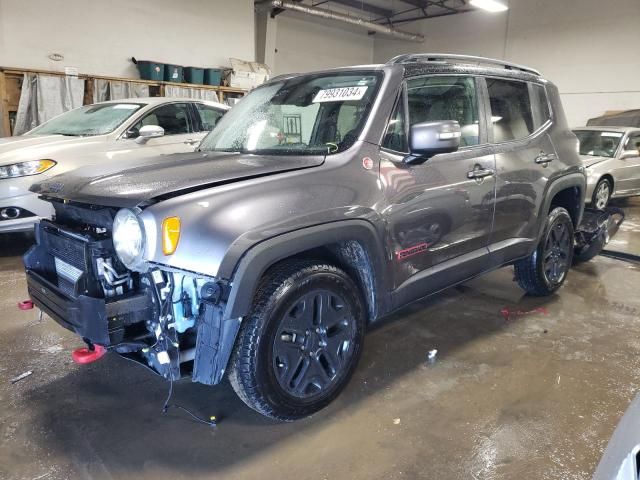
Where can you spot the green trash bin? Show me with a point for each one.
(150, 70)
(212, 76)
(194, 75)
(173, 73)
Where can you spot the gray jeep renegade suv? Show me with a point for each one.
(319, 204)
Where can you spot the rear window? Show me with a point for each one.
(598, 143)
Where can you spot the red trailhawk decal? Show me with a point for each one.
(411, 251)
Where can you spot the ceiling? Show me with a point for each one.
(392, 12)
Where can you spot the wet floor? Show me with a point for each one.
(628, 238)
(532, 394)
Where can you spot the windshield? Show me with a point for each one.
(97, 119)
(307, 115)
(598, 143)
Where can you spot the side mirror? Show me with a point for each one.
(629, 154)
(149, 131)
(431, 138)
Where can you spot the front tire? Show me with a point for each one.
(544, 271)
(301, 342)
(601, 194)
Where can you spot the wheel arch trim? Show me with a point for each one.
(257, 259)
(571, 180)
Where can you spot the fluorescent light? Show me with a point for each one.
(489, 5)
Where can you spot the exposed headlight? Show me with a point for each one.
(129, 239)
(23, 169)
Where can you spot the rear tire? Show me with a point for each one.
(601, 194)
(544, 271)
(299, 345)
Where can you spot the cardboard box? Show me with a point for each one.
(248, 75)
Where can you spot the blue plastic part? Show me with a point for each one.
(185, 285)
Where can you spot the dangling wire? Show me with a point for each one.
(212, 422)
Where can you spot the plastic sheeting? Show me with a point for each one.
(117, 90)
(46, 96)
(186, 92)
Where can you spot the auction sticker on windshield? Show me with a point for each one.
(341, 94)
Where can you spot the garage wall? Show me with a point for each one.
(304, 44)
(589, 48)
(100, 37)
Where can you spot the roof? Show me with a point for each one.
(452, 58)
(426, 63)
(160, 100)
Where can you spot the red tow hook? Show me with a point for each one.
(25, 305)
(85, 355)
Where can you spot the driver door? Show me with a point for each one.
(179, 135)
(438, 213)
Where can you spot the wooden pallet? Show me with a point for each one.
(11, 84)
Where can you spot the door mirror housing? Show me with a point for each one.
(431, 138)
(149, 131)
(629, 154)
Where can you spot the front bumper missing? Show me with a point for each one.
(62, 281)
(93, 319)
(72, 295)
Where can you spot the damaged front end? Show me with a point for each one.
(170, 320)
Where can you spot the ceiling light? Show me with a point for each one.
(489, 5)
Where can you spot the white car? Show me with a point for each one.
(118, 130)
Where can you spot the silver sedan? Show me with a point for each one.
(611, 156)
(123, 130)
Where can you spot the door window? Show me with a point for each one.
(633, 143)
(209, 116)
(438, 98)
(511, 115)
(174, 118)
(395, 138)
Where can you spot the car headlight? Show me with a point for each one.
(24, 169)
(129, 239)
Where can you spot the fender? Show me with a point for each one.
(570, 180)
(260, 257)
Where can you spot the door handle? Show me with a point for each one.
(191, 141)
(545, 157)
(478, 173)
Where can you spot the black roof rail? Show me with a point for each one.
(453, 58)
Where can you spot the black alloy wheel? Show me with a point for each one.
(301, 342)
(313, 343)
(557, 253)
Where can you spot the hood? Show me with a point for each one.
(35, 147)
(590, 160)
(116, 185)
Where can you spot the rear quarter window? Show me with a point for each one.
(540, 103)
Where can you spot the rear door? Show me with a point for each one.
(438, 218)
(525, 160)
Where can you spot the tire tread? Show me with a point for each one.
(527, 271)
(242, 371)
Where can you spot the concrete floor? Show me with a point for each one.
(535, 395)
